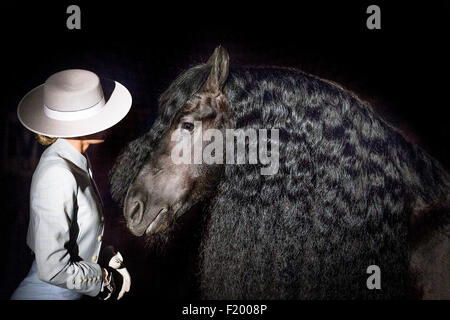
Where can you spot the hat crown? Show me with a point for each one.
(72, 90)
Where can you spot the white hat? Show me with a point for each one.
(74, 103)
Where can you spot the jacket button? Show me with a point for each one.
(102, 218)
(94, 258)
(100, 238)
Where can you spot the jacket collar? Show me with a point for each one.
(68, 151)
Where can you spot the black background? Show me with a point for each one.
(401, 69)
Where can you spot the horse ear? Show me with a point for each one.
(219, 62)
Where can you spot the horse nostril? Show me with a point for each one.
(134, 207)
(135, 212)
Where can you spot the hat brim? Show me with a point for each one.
(31, 114)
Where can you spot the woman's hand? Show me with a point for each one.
(114, 268)
(116, 263)
(108, 285)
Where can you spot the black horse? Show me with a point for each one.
(350, 192)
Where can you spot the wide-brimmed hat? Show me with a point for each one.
(74, 103)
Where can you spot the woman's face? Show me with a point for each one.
(96, 138)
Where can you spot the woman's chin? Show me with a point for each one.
(97, 141)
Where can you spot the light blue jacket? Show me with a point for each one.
(66, 221)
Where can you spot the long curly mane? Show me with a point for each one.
(344, 198)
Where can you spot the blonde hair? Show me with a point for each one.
(44, 140)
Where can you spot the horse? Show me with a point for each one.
(349, 194)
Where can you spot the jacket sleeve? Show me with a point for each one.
(53, 209)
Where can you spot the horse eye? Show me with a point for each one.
(188, 126)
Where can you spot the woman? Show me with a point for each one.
(69, 112)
